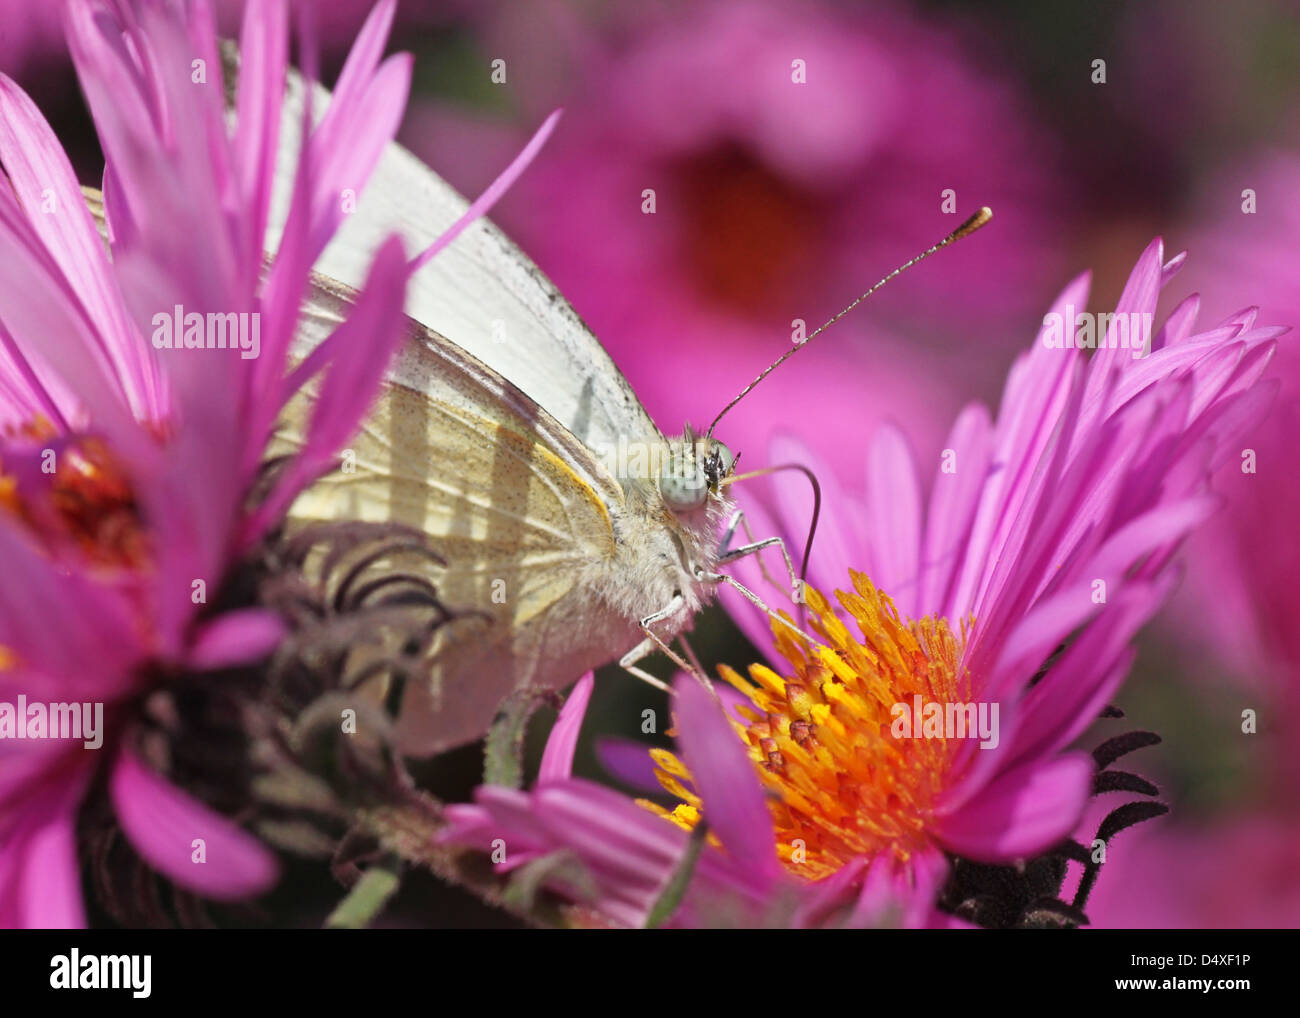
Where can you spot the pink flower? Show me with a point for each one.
(627, 854)
(1238, 866)
(1241, 599)
(776, 199)
(111, 557)
(1242, 873)
(1053, 526)
(33, 36)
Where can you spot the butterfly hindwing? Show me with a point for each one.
(516, 507)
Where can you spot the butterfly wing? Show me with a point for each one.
(482, 292)
(518, 509)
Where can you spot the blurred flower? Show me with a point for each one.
(1047, 544)
(1241, 873)
(33, 37)
(1242, 591)
(792, 150)
(1231, 85)
(111, 558)
(1235, 616)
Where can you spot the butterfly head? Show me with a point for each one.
(694, 472)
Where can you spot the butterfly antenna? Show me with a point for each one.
(964, 230)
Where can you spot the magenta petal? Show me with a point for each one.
(1178, 325)
(894, 517)
(953, 499)
(350, 142)
(557, 759)
(831, 894)
(166, 827)
(484, 202)
(929, 872)
(263, 51)
(879, 899)
(236, 638)
(56, 643)
(628, 761)
(1139, 296)
(51, 880)
(359, 351)
(734, 803)
(498, 813)
(39, 170)
(1038, 388)
(895, 893)
(837, 542)
(613, 836)
(1023, 812)
(1083, 681)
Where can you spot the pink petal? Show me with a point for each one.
(609, 832)
(263, 50)
(1139, 297)
(952, 507)
(88, 651)
(1037, 390)
(628, 761)
(38, 168)
(1178, 325)
(893, 515)
(359, 350)
(1069, 698)
(557, 758)
(495, 190)
(1023, 812)
(164, 823)
(349, 142)
(734, 802)
(830, 895)
(50, 328)
(236, 638)
(51, 880)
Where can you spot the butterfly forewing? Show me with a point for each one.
(482, 293)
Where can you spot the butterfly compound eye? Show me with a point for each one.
(683, 484)
(718, 464)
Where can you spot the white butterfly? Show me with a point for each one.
(573, 530)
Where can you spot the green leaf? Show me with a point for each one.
(366, 900)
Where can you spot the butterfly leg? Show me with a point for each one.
(726, 554)
(653, 642)
(724, 546)
(691, 656)
(716, 578)
(627, 662)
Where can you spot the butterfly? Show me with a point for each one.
(573, 531)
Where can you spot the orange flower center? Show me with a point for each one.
(825, 737)
(87, 504)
